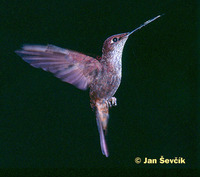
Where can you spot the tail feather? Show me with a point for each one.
(102, 120)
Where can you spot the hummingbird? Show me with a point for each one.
(102, 77)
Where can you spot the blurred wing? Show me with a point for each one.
(70, 66)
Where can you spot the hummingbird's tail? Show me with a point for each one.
(102, 117)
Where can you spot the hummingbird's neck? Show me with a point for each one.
(112, 60)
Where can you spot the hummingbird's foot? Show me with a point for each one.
(112, 102)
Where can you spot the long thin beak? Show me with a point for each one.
(145, 23)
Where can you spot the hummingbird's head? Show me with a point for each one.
(115, 43)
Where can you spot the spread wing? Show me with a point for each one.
(70, 66)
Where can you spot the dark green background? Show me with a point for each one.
(47, 123)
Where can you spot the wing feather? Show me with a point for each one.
(73, 67)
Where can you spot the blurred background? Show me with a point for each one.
(46, 123)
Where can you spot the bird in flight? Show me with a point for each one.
(101, 77)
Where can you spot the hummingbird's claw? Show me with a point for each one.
(112, 102)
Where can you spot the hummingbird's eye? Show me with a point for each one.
(115, 39)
